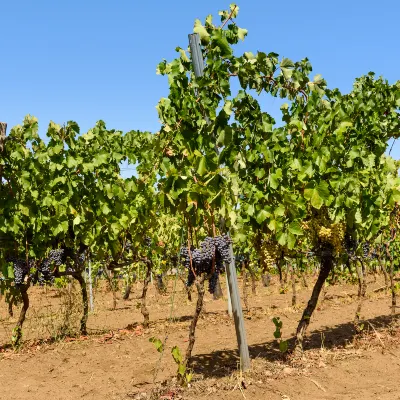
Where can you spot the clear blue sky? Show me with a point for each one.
(87, 60)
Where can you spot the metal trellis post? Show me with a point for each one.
(3, 130)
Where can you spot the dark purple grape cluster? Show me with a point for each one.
(203, 259)
(191, 278)
(44, 273)
(147, 241)
(56, 257)
(373, 254)
(213, 281)
(21, 269)
(184, 256)
(222, 244)
(365, 250)
(79, 259)
(369, 252)
(69, 269)
(41, 272)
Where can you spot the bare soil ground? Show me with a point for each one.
(117, 361)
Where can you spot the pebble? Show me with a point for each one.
(288, 371)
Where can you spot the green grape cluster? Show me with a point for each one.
(324, 231)
(269, 253)
(325, 234)
(337, 239)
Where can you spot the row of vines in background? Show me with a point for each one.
(313, 191)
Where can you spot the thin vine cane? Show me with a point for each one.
(171, 316)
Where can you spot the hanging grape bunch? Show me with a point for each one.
(326, 233)
(41, 272)
(55, 258)
(269, 252)
(203, 259)
(44, 273)
(21, 269)
(338, 231)
(366, 250)
(59, 257)
(373, 254)
(80, 258)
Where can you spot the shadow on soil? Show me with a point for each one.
(223, 363)
(189, 318)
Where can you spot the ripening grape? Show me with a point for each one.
(365, 249)
(212, 282)
(213, 252)
(21, 269)
(326, 233)
(337, 239)
(269, 252)
(41, 272)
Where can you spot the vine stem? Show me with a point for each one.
(143, 309)
(170, 319)
(293, 279)
(189, 249)
(22, 315)
(82, 283)
(391, 272)
(195, 237)
(229, 17)
(252, 276)
(199, 306)
(326, 267)
(382, 265)
(394, 141)
(213, 221)
(391, 276)
(362, 289)
(214, 234)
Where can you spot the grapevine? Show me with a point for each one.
(209, 259)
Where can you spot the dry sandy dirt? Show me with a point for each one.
(117, 361)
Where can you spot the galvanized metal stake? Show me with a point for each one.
(238, 313)
(197, 55)
(228, 292)
(3, 130)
